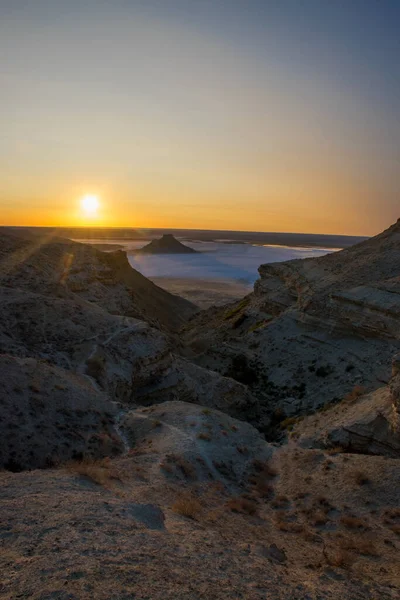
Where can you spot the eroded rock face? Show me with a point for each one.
(368, 425)
(54, 311)
(188, 441)
(49, 415)
(187, 382)
(117, 352)
(312, 330)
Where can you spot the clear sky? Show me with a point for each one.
(266, 115)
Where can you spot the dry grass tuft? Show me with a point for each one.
(319, 518)
(364, 546)
(265, 469)
(100, 471)
(361, 478)
(356, 392)
(283, 524)
(337, 556)
(187, 506)
(352, 522)
(395, 528)
(335, 450)
(204, 436)
(243, 505)
(280, 502)
(181, 464)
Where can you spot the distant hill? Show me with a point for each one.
(168, 244)
(308, 240)
(50, 265)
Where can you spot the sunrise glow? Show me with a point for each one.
(90, 205)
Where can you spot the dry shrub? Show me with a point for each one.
(335, 450)
(263, 488)
(364, 546)
(283, 524)
(310, 536)
(352, 522)
(187, 506)
(166, 467)
(356, 392)
(265, 468)
(318, 518)
(395, 528)
(243, 505)
(100, 471)
(323, 505)
(280, 502)
(336, 556)
(204, 436)
(186, 467)
(361, 478)
(391, 514)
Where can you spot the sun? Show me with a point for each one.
(90, 205)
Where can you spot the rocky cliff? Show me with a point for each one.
(312, 330)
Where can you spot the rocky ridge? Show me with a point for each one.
(312, 330)
(128, 464)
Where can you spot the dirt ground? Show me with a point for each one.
(315, 527)
(204, 293)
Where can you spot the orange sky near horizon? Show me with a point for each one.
(254, 209)
(199, 116)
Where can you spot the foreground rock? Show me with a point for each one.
(368, 425)
(193, 442)
(116, 531)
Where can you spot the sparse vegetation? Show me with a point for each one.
(98, 471)
(324, 371)
(352, 522)
(356, 392)
(179, 464)
(236, 309)
(336, 556)
(361, 478)
(242, 504)
(187, 506)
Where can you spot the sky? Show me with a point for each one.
(258, 115)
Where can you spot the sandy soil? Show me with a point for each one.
(66, 537)
(205, 293)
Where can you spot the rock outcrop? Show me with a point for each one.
(191, 441)
(168, 244)
(367, 425)
(312, 330)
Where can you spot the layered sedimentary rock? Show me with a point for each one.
(312, 329)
